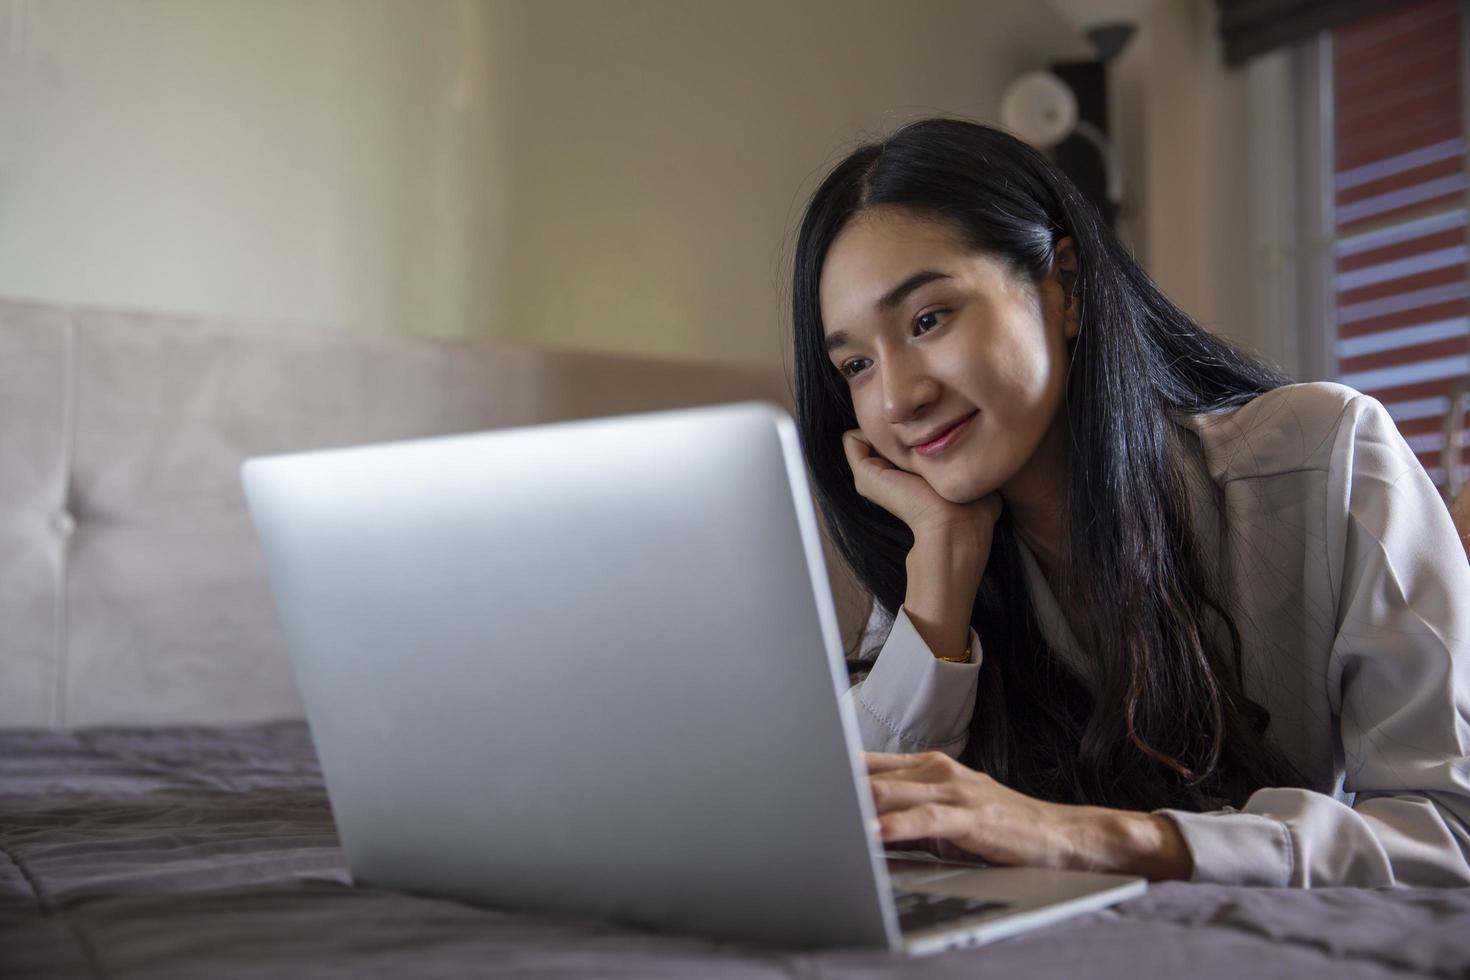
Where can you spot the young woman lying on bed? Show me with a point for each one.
(1154, 609)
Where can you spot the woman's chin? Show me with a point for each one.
(964, 491)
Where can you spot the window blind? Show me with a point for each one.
(1402, 276)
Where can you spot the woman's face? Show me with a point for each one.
(928, 333)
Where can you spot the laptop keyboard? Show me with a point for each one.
(919, 910)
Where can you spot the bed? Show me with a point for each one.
(161, 808)
(209, 852)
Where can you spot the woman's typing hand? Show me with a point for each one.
(930, 797)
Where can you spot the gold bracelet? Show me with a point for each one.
(964, 659)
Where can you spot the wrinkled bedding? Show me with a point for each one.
(210, 852)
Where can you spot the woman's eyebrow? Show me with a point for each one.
(890, 300)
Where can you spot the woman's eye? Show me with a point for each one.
(928, 321)
(848, 370)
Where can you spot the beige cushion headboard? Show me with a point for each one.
(131, 589)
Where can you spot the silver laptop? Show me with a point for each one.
(594, 668)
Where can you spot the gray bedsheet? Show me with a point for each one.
(210, 853)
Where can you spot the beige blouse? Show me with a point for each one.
(1352, 595)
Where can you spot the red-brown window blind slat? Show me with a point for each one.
(1397, 67)
(1433, 242)
(1414, 281)
(1403, 180)
(1415, 94)
(1433, 313)
(1422, 391)
(1403, 355)
(1436, 127)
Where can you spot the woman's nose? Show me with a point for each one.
(906, 390)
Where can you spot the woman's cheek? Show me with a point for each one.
(890, 449)
(869, 418)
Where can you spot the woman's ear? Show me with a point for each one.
(1064, 264)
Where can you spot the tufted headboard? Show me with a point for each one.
(131, 589)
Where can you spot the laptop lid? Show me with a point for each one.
(589, 668)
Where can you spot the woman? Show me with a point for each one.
(1153, 608)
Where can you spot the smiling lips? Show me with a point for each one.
(945, 438)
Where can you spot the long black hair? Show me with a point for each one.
(1170, 723)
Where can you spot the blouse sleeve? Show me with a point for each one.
(1399, 681)
(913, 702)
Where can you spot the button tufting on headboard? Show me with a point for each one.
(131, 588)
(62, 524)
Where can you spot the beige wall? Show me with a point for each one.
(1183, 127)
(618, 175)
(323, 161)
(602, 174)
(665, 149)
